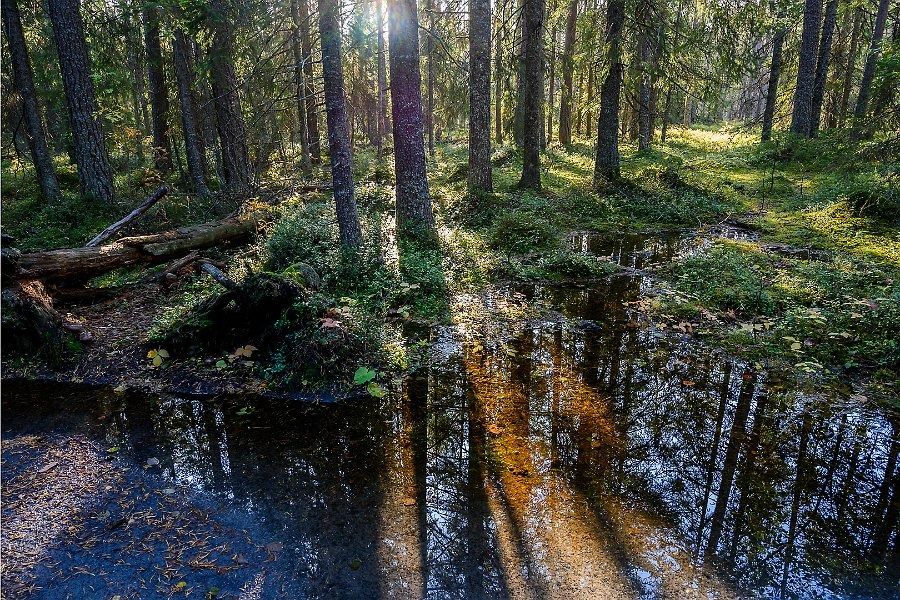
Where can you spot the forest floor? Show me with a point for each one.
(794, 261)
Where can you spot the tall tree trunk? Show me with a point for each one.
(480, 95)
(185, 79)
(519, 114)
(312, 121)
(229, 118)
(300, 90)
(23, 78)
(532, 92)
(429, 56)
(568, 67)
(772, 91)
(159, 93)
(822, 66)
(551, 86)
(850, 66)
(498, 78)
(336, 116)
(382, 77)
(865, 86)
(806, 69)
(667, 107)
(413, 204)
(606, 164)
(90, 151)
(645, 49)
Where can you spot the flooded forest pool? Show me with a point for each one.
(573, 452)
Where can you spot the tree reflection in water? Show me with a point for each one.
(582, 455)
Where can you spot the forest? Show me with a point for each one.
(450, 299)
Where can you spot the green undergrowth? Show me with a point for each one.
(832, 196)
(833, 316)
(36, 224)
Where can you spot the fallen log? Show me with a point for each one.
(118, 225)
(84, 263)
(216, 273)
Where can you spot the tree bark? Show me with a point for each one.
(86, 262)
(382, 78)
(532, 91)
(23, 77)
(551, 85)
(229, 118)
(312, 120)
(822, 66)
(480, 96)
(772, 91)
(806, 69)
(606, 164)
(429, 55)
(336, 117)
(192, 147)
(568, 67)
(90, 152)
(865, 86)
(300, 90)
(413, 204)
(645, 42)
(498, 76)
(159, 93)
(850, 66)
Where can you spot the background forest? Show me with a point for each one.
(509, 126)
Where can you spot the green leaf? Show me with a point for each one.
(221, 364)
(375, 390)
(363, 376)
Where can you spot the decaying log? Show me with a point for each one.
(84, 263)
(216, 273)
(177, 265)
(118, 225)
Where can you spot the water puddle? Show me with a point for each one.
(567, 453)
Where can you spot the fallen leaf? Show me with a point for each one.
(48, 466)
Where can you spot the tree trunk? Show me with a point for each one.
(532, 92)
(429, 54)
(480, 96)
(413, 204)
(519, 114)
(645, 48)
(667, 107)
(568, 66)
(336, 117)
(159, 93)
(606, 164)
(185, 79)
(772, 92)
(312, 121)
(822, 66)
(23, 78)
(498, 79)
(300, 90)
(90, 261)
(90, 151)
(229, 118)
(806, 69)
(865, 86)
(551, 86)
(382, 78)
(850, 66)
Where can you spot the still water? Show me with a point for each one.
(571, 452)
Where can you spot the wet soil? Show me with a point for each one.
(555, 444)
